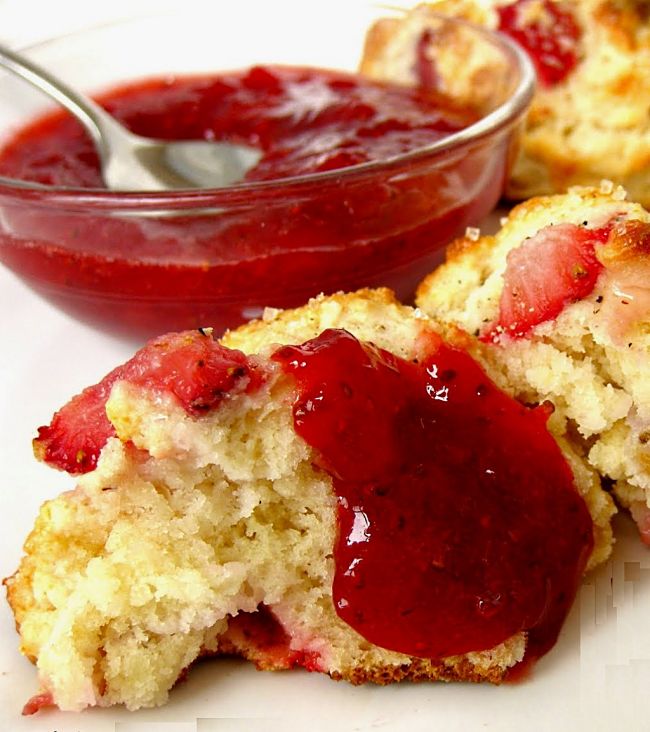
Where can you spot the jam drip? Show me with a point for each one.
(459, 522)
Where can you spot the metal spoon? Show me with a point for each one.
(133, 163)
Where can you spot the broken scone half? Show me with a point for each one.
(559, 304)
(334, 487)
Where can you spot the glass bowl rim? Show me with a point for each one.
(502, 116)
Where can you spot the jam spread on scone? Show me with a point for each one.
(459, 522)
(342, 491)
(566, 280)
(549, 33)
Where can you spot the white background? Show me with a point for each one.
(596, 678)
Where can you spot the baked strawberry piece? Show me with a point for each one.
(189, 366)
(549, 32)
(553, 268)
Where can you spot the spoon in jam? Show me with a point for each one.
(133, 163)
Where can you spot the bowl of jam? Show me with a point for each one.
(360, 182)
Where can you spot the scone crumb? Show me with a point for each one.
(620, 194)
(270, 314)
(606, 187)
(534, 13)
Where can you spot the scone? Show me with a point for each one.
(373, 512)
(590, 118)
(559, 303)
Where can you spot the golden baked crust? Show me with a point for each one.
(376, 313)
(592, 361)
(468, 69)
(420, 669)
(593, 125)
(242, 641)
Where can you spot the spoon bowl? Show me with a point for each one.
(133, 163)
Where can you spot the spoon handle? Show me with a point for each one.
(96, 121)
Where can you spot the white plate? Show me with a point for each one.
(594, 679)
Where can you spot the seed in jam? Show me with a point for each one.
(459, 521)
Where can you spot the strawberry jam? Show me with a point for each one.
(275, 245)
(549, 33)
(459, 522)
(304, 121)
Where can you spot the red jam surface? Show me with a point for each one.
(548, 31)
(144, 275)
(548, 271)
(459, 522)
(304, 120)
(192, 367)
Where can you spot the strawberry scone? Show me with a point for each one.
(558, 302)
(590, 116)
(361, 501)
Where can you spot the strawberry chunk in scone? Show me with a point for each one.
(191, 366)
(548, 31)
(556, 266)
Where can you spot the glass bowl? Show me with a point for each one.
(143, 263)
